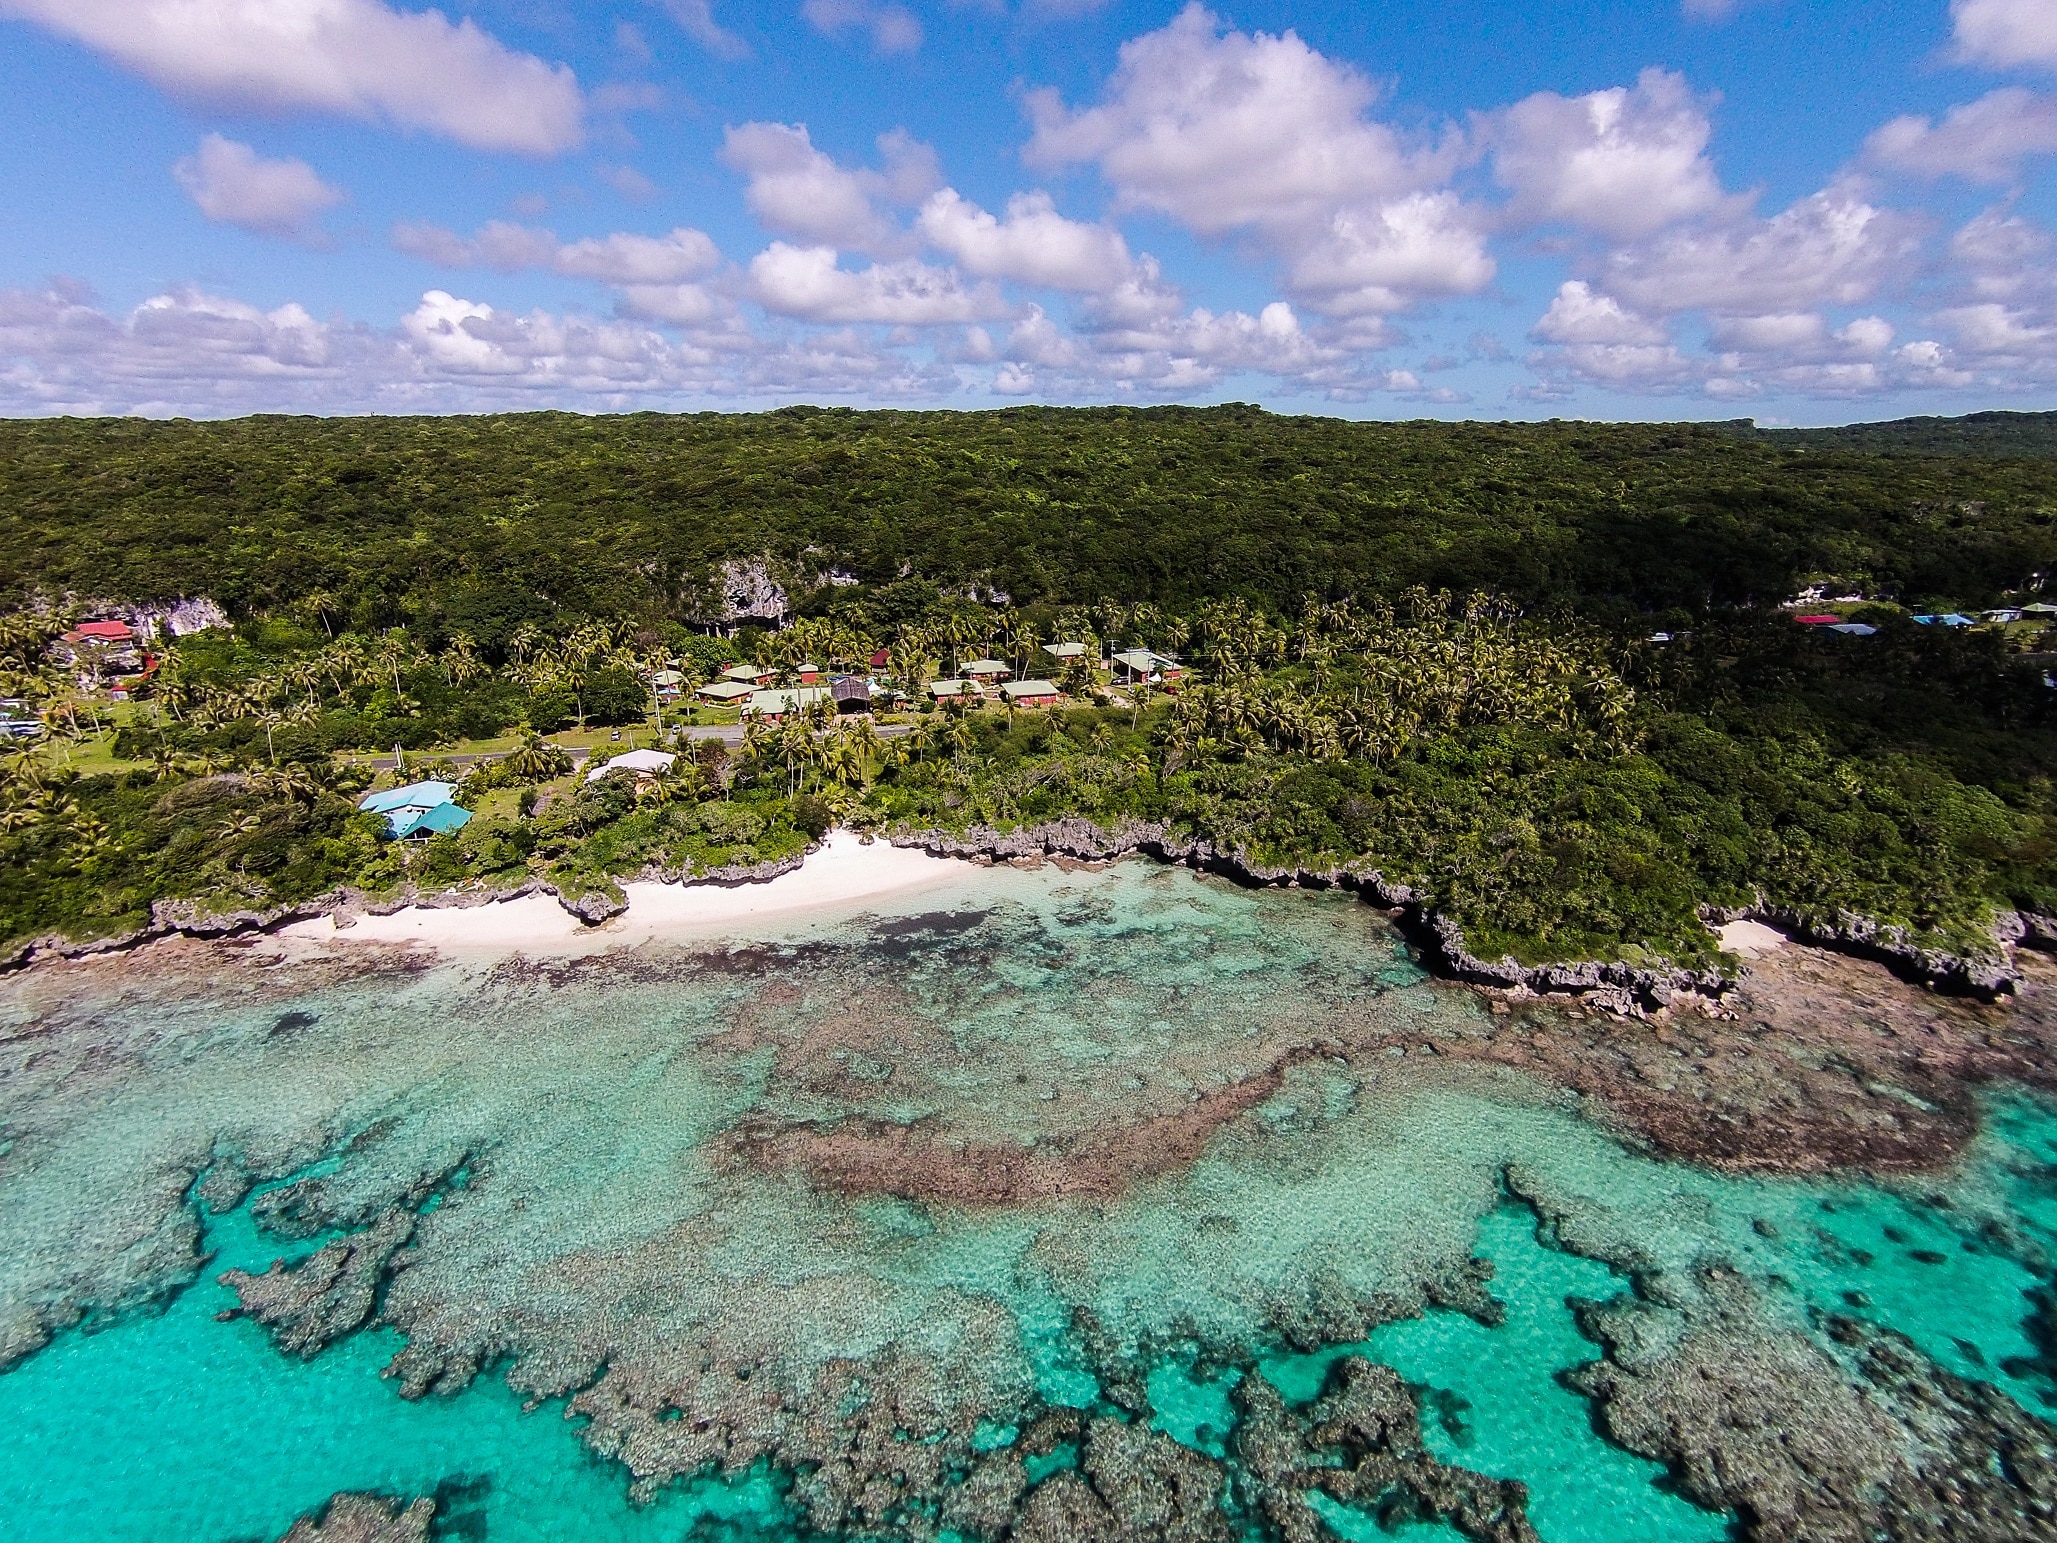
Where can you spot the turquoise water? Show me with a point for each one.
(172, 1425)
(616, 1214)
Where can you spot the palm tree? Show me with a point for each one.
(461, 662)
(536, 759)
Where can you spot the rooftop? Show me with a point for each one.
(779, 701)
(656, 762)
(416, 795)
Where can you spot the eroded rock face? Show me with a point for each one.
(1360, 1444)
(1767, 1424)
(310, 1305)
(353, 1518)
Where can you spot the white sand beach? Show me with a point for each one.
(1750, 938)
(839, 879)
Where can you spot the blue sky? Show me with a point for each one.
(1800, 212)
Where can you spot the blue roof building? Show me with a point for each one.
(419, 809)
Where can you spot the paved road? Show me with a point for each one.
(730, 734)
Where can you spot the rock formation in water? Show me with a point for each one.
(1764, 1422)
(309, 1305)
(1360, 1444)
(354, 1518)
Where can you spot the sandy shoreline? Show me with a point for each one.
(843, 875)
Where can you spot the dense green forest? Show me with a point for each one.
(1538, 672)
(479, 524)
(1989, 434)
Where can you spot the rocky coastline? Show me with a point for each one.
(1614, 985)
(1448, 953)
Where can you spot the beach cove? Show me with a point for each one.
(903, 1197)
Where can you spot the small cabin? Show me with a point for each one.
(1030, 693)
(1139, 666)
(725, 693)
(773, 705)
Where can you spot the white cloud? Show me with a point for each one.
(621, 258)
(2002, 256)
(798, 191)
(1383, 258)
(1981, 141)
(202, 355)
(235, 185)
(1624, 162)
(806, 283)
(1577, 315)
(1235, 132)
(695, 18)
(1034, 245)
(1222, 131)
(1993, 329)
(2006, 32)
(361, 58)
(1832, 247)
(628, 182)
(893, 28)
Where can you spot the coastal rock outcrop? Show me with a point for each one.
(1359, 1444)
(1764, 1422)
(357, 1518)
(309, 1305)
(1623, 985)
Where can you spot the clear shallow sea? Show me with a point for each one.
(606, 1213)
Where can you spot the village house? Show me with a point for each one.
(748, 674)
(851, 694)
(987, 671)
(643, 763)
(1064, 653)
(669, 685)
(773, 705)
(419, 809)
(1138, 666)
(953, 687)
(1030, 693)
(725, 693)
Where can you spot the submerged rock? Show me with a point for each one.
(353, 1518)
(310, 1305)
(1765, 1422)
(1360, 1444)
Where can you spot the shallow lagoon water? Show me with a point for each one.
(787, 1148)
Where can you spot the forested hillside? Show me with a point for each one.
(1987, 434)
(1540, 673)
(479, 524)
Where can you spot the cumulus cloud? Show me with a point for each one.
(798, 191)
(1624, 162)
(620, 258)
(695, 18)
(2006, 33)
(1981, 141)
(1224, 130)
(1578, 315)
(1832, 247)
(1238, 132)
(361, 58)
(893, 29)
(204, 355)
(806, 283)
(1385, 257)
(234, 185)
(1033, 245)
